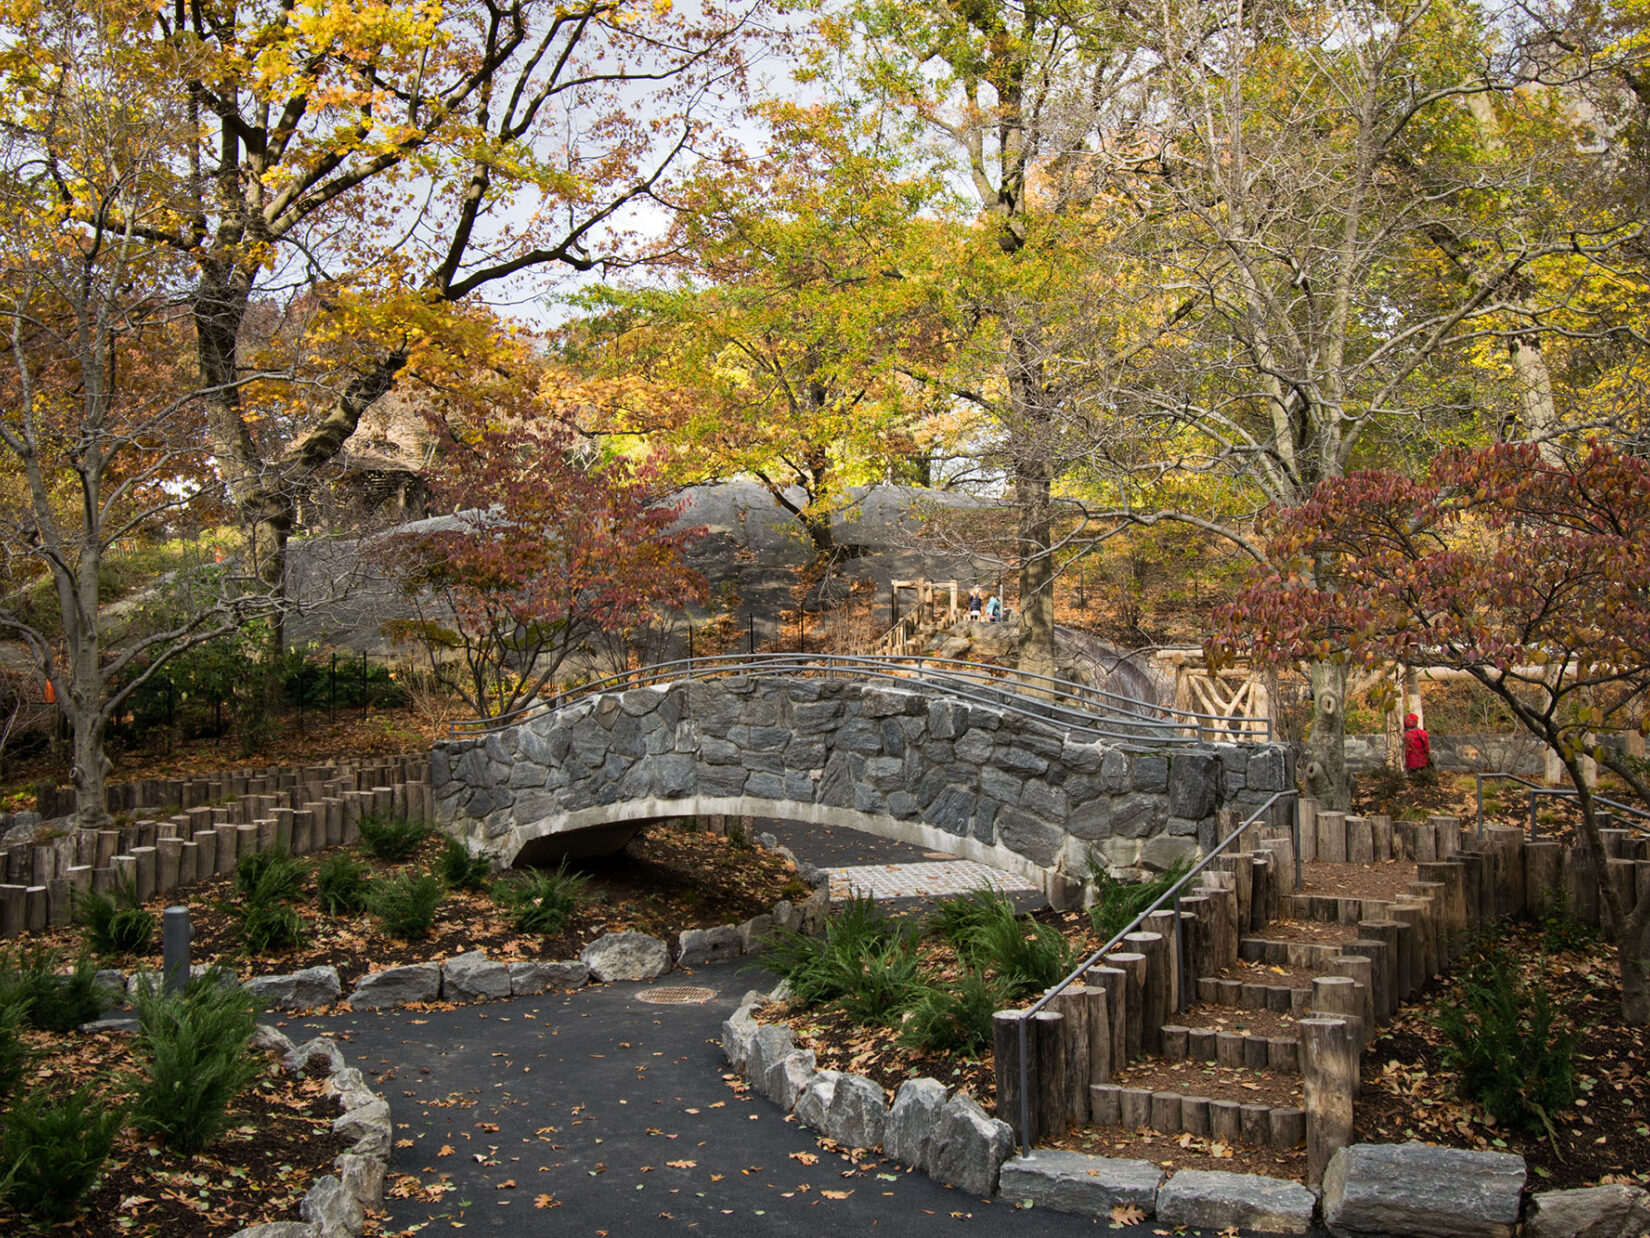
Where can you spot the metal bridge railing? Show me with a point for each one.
(1056, 704)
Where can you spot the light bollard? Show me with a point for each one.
(175, 935)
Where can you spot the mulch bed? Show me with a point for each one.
(1386, 881)
(279, 1143)
(668, 878)
(1407, 1094)
(1605, 1137)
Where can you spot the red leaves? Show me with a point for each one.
(1496, 559)
(542, 553)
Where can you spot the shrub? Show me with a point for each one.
(342, 884)
(194, 1050)
(14, 1051)
(1028, 956)
(270, 875)
(880, 982)
(1561, 928)
(268, 882)
(53, 1147)
(55, 1003)
(541, 902)
(953, 919)
(1117, 903)
(461, 870)
(391, 838)
(113, 926)
(1506, 1048)
(405, 904)
(955, 1017)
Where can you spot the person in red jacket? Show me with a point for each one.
(1417, 747)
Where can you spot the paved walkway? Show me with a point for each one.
(595, 1112)
(929, 879)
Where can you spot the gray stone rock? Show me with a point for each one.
(1616, 1211)
(272, 1039)
(111, 982)
(753, 931)
(782, 1083)
(362, 1176)
(1086, 1185)
(396, 986)
(1215, 1200)
(813, 1106)
(767, 1049)
(1032, 837)
(1194, 785)
(1163, 851)
(473, 977)
(1151, 773)
(712, 945)
(1422, 1192)
(738, 1034)
(321, 1048)
(858, 1112)
(908, 1135)
(969, 1147)
(529, 978)
(280, 1229)
(333, 1209)
(368, 1126)
(626, 956)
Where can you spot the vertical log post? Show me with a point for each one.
(1072, 1004)
(1329, 1065)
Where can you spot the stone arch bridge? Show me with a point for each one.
(952, 759)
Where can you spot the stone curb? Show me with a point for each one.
(337, 1204)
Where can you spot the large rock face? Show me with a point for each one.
(908, 1136)
(976, 780)
(299, 990)
(1422, 1192)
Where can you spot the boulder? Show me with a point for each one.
(530, 978)
(362, 1176)
(1087, 1185)
(321, 1047)
(299, 990)
(1215, 1200)
(473, 977)
(626, 956)
(335, 1212)
(767, 1049)
(782, 1083)
(969, 1147)
(1616, 1211)
(396, 986)
(813, 1106)
(696, 947)
(280, 1229)
(908, 1136)
(271, 1039)
(1422, 1192)
(368, 1126)
(858, 1112)
(752, 931)
(738, 1033)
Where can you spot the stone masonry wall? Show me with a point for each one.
(963, 778)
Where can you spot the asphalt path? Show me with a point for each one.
(594, 1113)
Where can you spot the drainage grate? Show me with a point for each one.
(677, 995)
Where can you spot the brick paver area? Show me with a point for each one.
(883, 881)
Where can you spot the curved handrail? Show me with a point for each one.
(1083, 708)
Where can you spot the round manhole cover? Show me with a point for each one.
(677, 995)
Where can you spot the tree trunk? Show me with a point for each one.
(1634, 946)
(89, 772)
(1325, 765)
(1538, 408)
